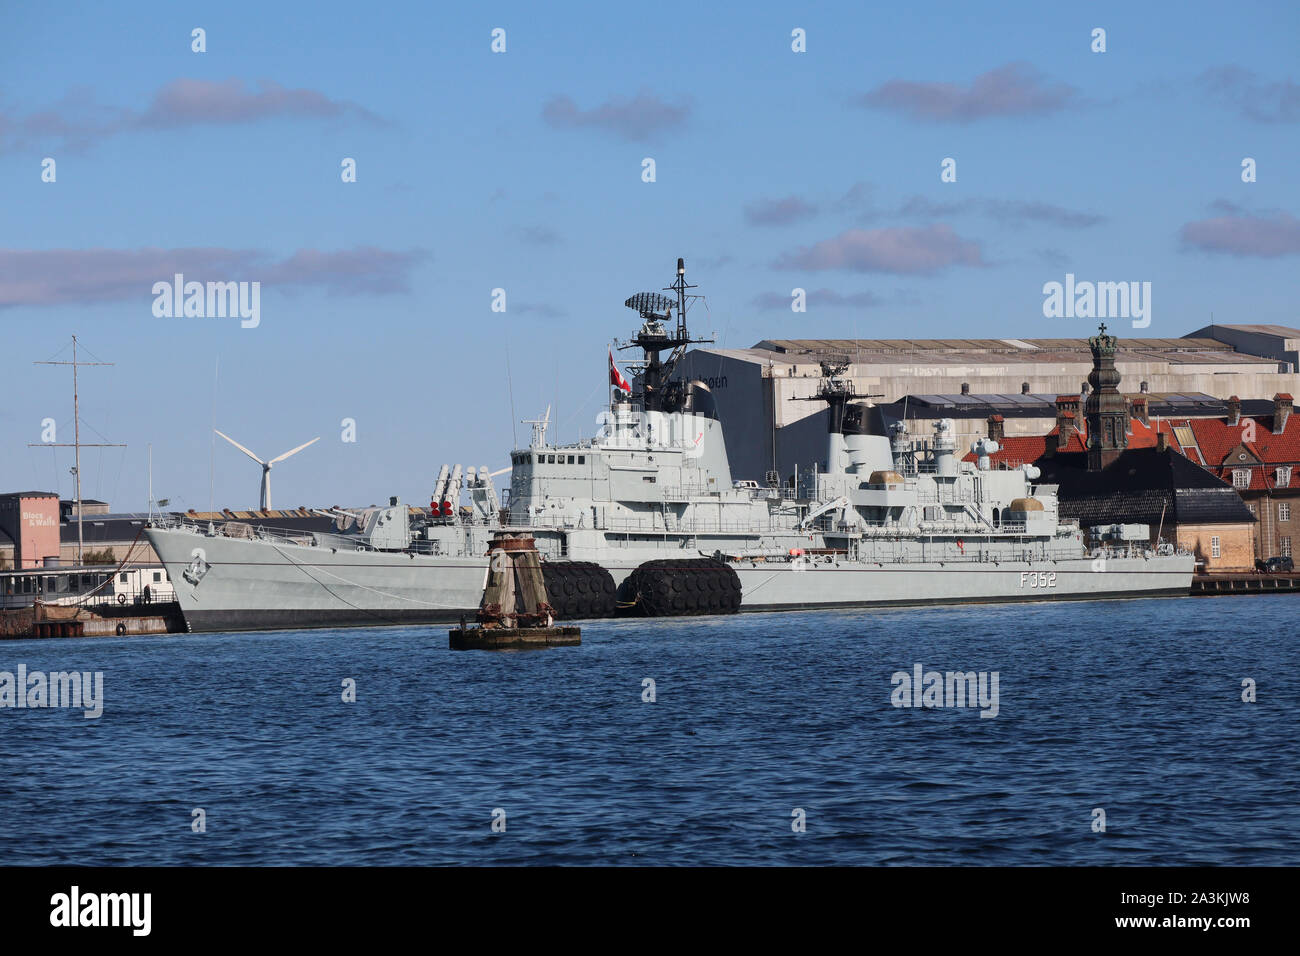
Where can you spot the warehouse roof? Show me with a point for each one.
(1159, 405)
(1184, 351)
(1285, 331)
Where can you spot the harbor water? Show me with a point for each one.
(762, 739)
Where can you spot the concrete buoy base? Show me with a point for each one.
(511, 638)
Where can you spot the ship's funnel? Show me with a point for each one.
(866, 439)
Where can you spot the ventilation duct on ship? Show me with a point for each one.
(863, 420)
(693, 398)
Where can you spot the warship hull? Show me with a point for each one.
(260, 585)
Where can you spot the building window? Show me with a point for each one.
(1284, 511)
(1215, 550)
(1240, 478)
(1284, 476)
(1285, 547)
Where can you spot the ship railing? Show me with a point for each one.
(682, 492)
(774, 494)
(242, 530)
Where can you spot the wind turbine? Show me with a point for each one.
(266, 465)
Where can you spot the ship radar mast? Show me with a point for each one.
(836, 390)
(661, 331)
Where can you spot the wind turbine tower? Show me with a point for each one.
(266, 465)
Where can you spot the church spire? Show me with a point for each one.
(1106, 409)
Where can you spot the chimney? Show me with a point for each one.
(1234, 411)
(997, 428)
(1162, 441)
(965, 388)
(1065, 420)
(1144, 387)
(1024, 388)
(1066, 403)
(1140, 411)
(1281, 412)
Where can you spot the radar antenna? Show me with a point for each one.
(835, 390)
(656, 310)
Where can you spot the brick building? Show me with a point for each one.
(1260, 457)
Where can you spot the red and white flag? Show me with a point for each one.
(616, 377)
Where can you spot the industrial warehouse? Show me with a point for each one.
(761, 392)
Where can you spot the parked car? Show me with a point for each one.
(1275, 565)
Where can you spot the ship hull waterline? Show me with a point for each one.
(254, 585)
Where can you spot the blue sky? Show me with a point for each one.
(522, 170)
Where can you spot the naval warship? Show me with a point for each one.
(645, 518)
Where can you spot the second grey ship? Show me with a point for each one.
(645, 518)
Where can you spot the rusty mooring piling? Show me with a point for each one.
(514, 612)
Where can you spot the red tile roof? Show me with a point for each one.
(1219, 443)
(1025, 448)
(1216, 441)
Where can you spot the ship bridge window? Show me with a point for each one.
(648, 478)
(582, 459)
(550, 459)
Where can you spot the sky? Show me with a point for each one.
(524, 170)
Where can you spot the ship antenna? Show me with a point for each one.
(655, 310)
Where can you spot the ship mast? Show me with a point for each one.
(836, 390)
(656, 309)
(77, 443)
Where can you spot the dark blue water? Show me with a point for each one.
(1134, 707)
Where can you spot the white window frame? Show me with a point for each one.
(1241, 478)
(1216, 549)
(1284, 476)
(1284, 511)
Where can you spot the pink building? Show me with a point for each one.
(30, 519)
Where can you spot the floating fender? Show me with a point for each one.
(676, 587)
(579, 589)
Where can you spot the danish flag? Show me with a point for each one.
(616, 377)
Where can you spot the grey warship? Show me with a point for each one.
(645, 518)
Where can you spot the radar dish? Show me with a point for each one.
(650, 303)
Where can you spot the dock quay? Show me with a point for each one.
(1209, 585)
(42, 620)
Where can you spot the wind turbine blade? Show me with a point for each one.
(499, 471)
(294, 452)
(240, 447)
